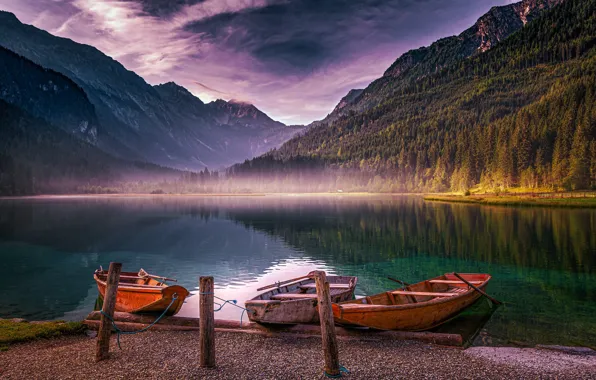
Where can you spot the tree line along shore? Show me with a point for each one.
(577, 199)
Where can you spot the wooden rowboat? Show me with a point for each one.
(416, 307)
(297, 302)
(143, 292)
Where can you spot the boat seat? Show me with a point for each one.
(458, 290)
(391, 298)
(133, 285)
(292, 296)
(411, 293)
(454, 282)
(331, 286)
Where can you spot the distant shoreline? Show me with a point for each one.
(205, 195)
(566, 200)
(544, 199)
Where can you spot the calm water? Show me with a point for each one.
(543, 261)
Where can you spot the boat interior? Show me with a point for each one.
(306, 289)
(435, 289)
(140, 279)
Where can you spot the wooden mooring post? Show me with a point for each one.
(109, 303)
(330, 350)
(206, 322)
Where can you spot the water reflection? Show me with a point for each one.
(542, 260)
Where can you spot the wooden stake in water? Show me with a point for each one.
(330, 350)
(206, 322)
(109, 303)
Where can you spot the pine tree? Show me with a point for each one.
(593, 164)
(579, 162)
(523, 143)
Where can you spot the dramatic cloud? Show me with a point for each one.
(294, 59)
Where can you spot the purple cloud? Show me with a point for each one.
(294, 59)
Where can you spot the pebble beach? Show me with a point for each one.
(174, 355)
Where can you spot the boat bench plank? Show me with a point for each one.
(290, 296)
(133, 285)
(331, 286)
(409, 293)
(121, 276)
(453, 282)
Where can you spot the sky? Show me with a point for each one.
(293, 59)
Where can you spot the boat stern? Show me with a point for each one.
(282, 312)
(262, 311)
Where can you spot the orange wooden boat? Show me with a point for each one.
(143, 292)
(416, 307)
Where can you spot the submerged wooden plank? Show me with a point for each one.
(133, 322)
(169, 321)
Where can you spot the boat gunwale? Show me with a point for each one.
(353, 281)
(123, 286)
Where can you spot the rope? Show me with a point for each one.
(120, 332)
(341, 369)
(230, 302)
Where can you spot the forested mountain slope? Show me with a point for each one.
(494, 26)
(40, 158)
(47, 94)
(48, 132)
(520, 114)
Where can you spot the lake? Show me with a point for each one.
(543, 261)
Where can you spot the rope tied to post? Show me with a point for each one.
(120, 332)
(342, 369)
(230, 302)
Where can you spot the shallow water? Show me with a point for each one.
(543, 261)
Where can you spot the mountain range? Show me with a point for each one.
(510, 102)
(164, 125)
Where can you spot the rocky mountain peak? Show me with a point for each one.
(240, 113)
(494, 26)
(238, 109)
(172, 90)
(348, 99)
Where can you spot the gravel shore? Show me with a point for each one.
(171, 354)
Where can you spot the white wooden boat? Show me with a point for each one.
(296, 302)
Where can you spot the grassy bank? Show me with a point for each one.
(14, 331)
(518, 200)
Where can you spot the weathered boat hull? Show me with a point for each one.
(269, 311)
(145, 299)
(418, 314)
(286, 312)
